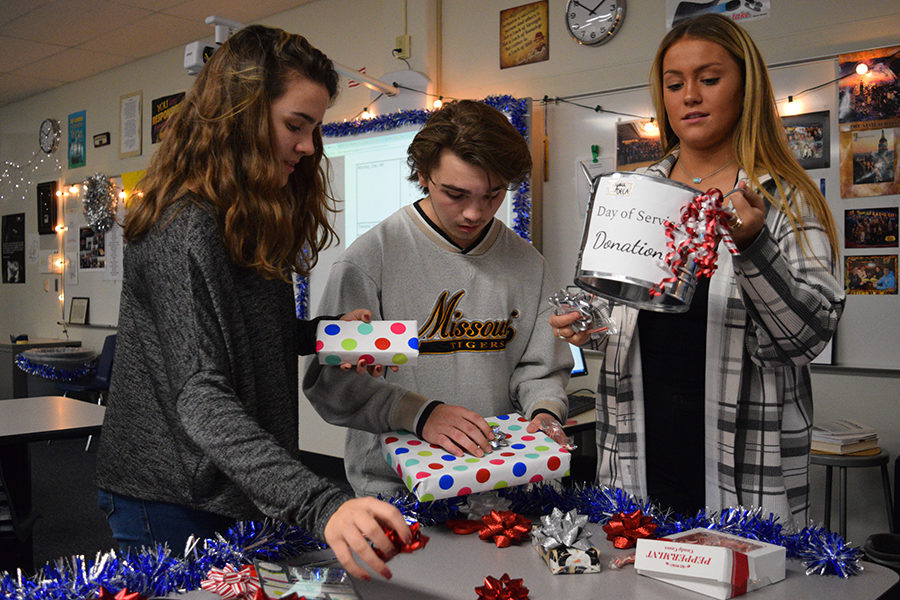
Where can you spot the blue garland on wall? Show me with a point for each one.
(515, 108)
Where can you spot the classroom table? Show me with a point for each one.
(451, 566)
(24, 420)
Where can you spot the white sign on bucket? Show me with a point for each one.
(623, 250)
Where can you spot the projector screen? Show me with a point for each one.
(373, 181)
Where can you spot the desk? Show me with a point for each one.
(451, 566)
(14, 381)
(24, 420)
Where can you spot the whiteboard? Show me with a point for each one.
(869, 329)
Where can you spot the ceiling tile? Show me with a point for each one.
(241, 11)
(71, 65)
(151, 35)
(18, 53)
(11, 9)
(153, 5)
(72, 22)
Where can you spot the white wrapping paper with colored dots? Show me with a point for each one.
(379, 342)
(431, 472)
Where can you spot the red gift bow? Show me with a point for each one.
(625, 530)
(503, 526)
(124, 594)
(704, 209)
(231, 584)
(418, 542)
(502, 589)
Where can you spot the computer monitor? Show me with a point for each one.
(580, 367)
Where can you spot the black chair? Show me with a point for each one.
(97, 385)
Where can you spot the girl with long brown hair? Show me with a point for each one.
(201, 427)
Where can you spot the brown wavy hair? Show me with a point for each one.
(478, 134)
(760, 145)
(219, 145)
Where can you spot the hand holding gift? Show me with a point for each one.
(362, 366)
(431, 473)
(458, 430)
(357, 340)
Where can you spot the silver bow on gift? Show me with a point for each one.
(558, 529)
(499, 438)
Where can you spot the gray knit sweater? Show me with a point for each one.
(203, 401)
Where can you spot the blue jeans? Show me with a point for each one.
(136, 523)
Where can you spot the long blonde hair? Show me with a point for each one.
(219, 146)
(760, 144)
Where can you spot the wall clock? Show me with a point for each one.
(49, 135)
(593, 23)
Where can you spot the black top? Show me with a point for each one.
(673, 361)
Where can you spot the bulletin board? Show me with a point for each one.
(869, 329)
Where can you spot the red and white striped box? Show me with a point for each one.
(710, 562)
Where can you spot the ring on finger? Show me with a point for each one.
(735, 222)
(559, 334)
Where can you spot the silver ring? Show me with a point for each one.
(559, 334)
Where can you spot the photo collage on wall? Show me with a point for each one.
(869, 133)
(636, 146)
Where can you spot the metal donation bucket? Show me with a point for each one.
(623, 249)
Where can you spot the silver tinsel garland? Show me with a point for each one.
(100, 201)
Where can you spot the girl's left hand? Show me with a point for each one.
(364, 315)
(750, 209)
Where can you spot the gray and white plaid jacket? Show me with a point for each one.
(772, 309)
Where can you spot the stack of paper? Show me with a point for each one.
(844, 436)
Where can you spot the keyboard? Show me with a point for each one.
(579, 403)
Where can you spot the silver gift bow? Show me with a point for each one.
(594, 311)
(567, 530)
(499, 438)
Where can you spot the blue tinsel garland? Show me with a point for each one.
(55, 373)
(157, 572)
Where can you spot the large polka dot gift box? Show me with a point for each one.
(432, 473)
(378, 343)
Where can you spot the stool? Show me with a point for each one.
(843, 462)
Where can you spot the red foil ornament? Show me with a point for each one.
(418, 542)
(504, 588)
(502, 526)
(123, 594)
(624, 530)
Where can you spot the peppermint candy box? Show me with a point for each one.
(711, 562)
(431, 473)
(377, 343)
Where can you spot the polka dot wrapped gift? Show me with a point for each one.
(379, 342)
(432, 473)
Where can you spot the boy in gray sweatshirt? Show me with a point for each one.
(477, 290)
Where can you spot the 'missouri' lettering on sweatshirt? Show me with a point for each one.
(445, 330)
